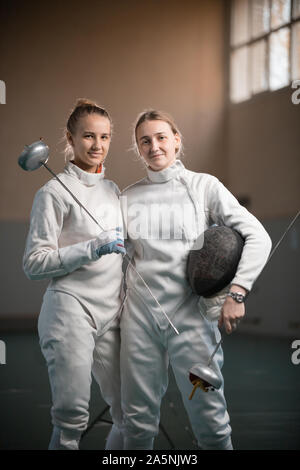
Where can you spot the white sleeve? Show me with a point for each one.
(43, 259)
(224, 209)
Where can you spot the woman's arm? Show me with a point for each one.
(224, 209)
(43, 259)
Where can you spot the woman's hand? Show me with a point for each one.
(107, 242)
(232, 312)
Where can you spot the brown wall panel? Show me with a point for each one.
(127, 56)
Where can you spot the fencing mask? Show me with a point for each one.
(212, 267)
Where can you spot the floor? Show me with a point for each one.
(262, 388)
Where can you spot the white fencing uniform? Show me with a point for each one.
(186, 203)
(79, 319)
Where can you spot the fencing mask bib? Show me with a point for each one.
(212, 267)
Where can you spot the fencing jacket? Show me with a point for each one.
(165, 213)
(58, 244)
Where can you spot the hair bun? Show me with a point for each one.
(83, 102)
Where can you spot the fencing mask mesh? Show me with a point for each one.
(212, 267)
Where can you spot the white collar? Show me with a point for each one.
(166, 174)
(89, 179)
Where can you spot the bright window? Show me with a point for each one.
(264, 45)
(295, 56)
(279, 47)
(258, 77)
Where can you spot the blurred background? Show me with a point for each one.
(229, 74)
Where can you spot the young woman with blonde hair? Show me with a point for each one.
(79, 320)
(165, 213)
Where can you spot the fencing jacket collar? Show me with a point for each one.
(88, 179)
(166, 174)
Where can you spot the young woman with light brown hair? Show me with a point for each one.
(78, 324)
(165, 213)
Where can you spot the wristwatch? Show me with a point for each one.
(237, 296)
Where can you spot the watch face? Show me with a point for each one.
(237, 297)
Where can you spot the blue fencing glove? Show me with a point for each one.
(110, 241)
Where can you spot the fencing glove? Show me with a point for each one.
(74, 256)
